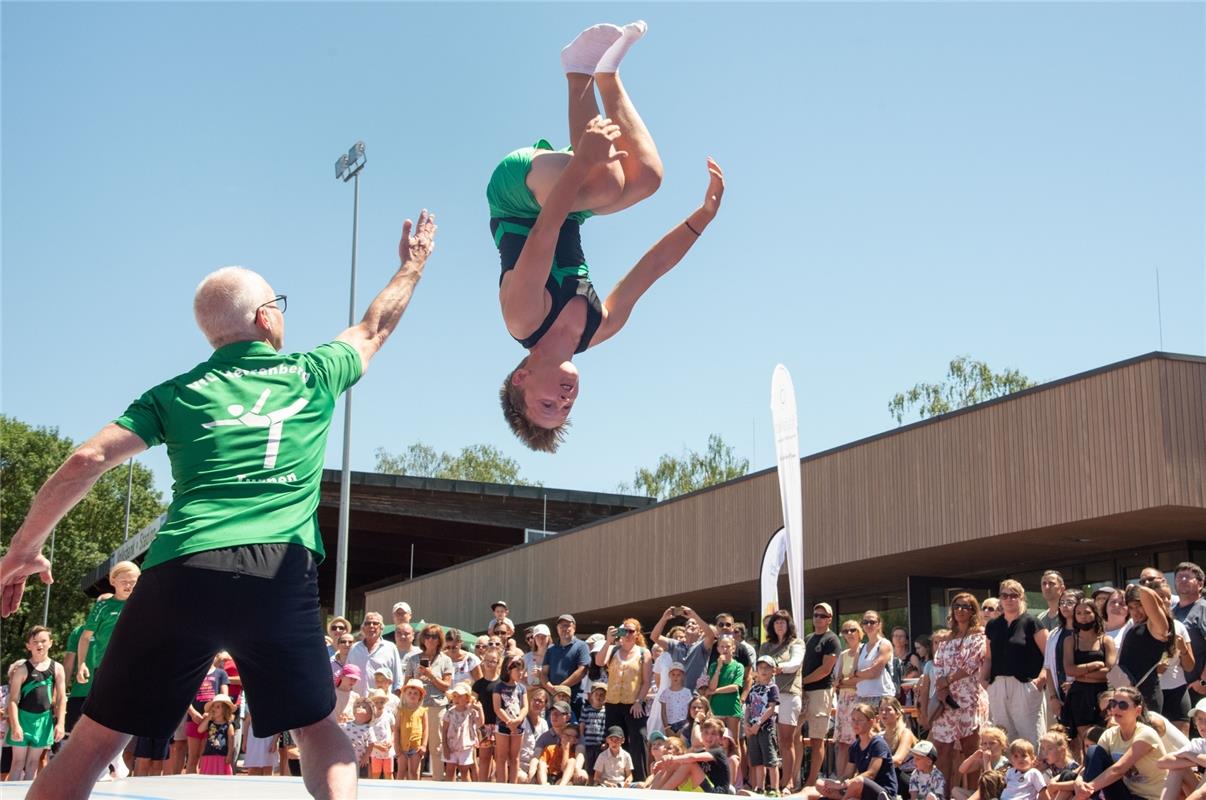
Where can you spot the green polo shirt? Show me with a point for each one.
(101, 621)
(246, 432)
(73, 646)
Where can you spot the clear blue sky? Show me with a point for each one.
(906, 183)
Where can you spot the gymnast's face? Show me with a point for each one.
(549, 392)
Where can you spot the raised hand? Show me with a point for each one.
(416, 248)
(15, 567)
(594, 146)
(712, 197)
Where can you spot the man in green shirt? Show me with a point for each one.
(234, 566)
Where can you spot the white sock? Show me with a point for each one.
(610, 62)
(588, 47)
(120, 769)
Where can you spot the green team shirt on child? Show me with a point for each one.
(101, 621)
(73, 646)
(246, 432)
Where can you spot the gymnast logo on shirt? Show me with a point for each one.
(274, 421)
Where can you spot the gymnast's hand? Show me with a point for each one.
(415, 249)
(711, 203)
(594, 146)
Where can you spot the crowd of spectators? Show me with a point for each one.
(1097, 695)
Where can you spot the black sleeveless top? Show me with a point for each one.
(1086, 656)
(569, 277)
(1140, 652)
(36, 689)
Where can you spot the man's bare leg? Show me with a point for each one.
(327, 760)
(91, 748)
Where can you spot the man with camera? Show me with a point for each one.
(693, 651)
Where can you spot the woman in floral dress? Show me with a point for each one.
(957, 663)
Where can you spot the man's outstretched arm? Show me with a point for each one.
(61, 492)
(660, 259)
(384, 313)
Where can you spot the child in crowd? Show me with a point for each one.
(499, 609)
(593, 725)
(761, 736)
(383, 680)
(381, 737)
(411, 742)
(697, 712)
(1022, 780)
(1057, 765)
(357, 730)
(926, 783)
(659, 748)
(708, 770)
(613, 767)
(218, 754)
(986, 765)
(1181, 765)
(462, 731)
(555, 766)
(724, 689)
(675, 700)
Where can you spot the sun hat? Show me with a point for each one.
(224, 699)
(415, 683)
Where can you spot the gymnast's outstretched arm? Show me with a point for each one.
(660, 259)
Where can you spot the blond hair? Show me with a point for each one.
(514, 404)
(121, 568)
(994, 734)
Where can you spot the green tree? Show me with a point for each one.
(83, 539)
(967, 382)
(478, 462)
(675, 475)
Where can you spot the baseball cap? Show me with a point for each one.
(403, 607)
(498, 603)
(597, 646)
(563, 707)
(768, 660)
(540, 629)
(615, 730)
(927, 749)
(567, 618)
(677, 665)
(828, 609)
(1200, 708)
(656, 736)
(384, 671)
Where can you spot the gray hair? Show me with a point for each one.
(225, 303)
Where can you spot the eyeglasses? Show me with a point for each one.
(1121, 705)
(370, 624)
(1067, 603)
(339, 626)
(870, 622)
(1010, 596)
(963, 607)
(432, 636)
(988, 609)
(815, 615)
(280, 298)
(850, 631)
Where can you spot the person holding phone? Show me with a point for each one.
(693, 650)
(629, 671)
(431, 666)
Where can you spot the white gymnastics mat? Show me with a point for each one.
(209, 787)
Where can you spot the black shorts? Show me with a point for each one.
(1176, 703)
(75, 705)
(154, 749)
(259, 602)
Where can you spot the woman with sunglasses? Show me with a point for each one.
(1088, 656)
(466, 666)
(871, 671)
(1053, 653)
(795, 682)
(958, 662)
(434, 669)
(869, 772)
(483, 687)
(847, 692)
(1148, 643)
(511, 707)
(1123, 764)
(629, 672)
(1014, 667)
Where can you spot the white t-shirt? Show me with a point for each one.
(381, 730)
(1023, 785)
(677, 704)
(463, 670)
(527, 745)
(1196, 747)
(532, 669)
